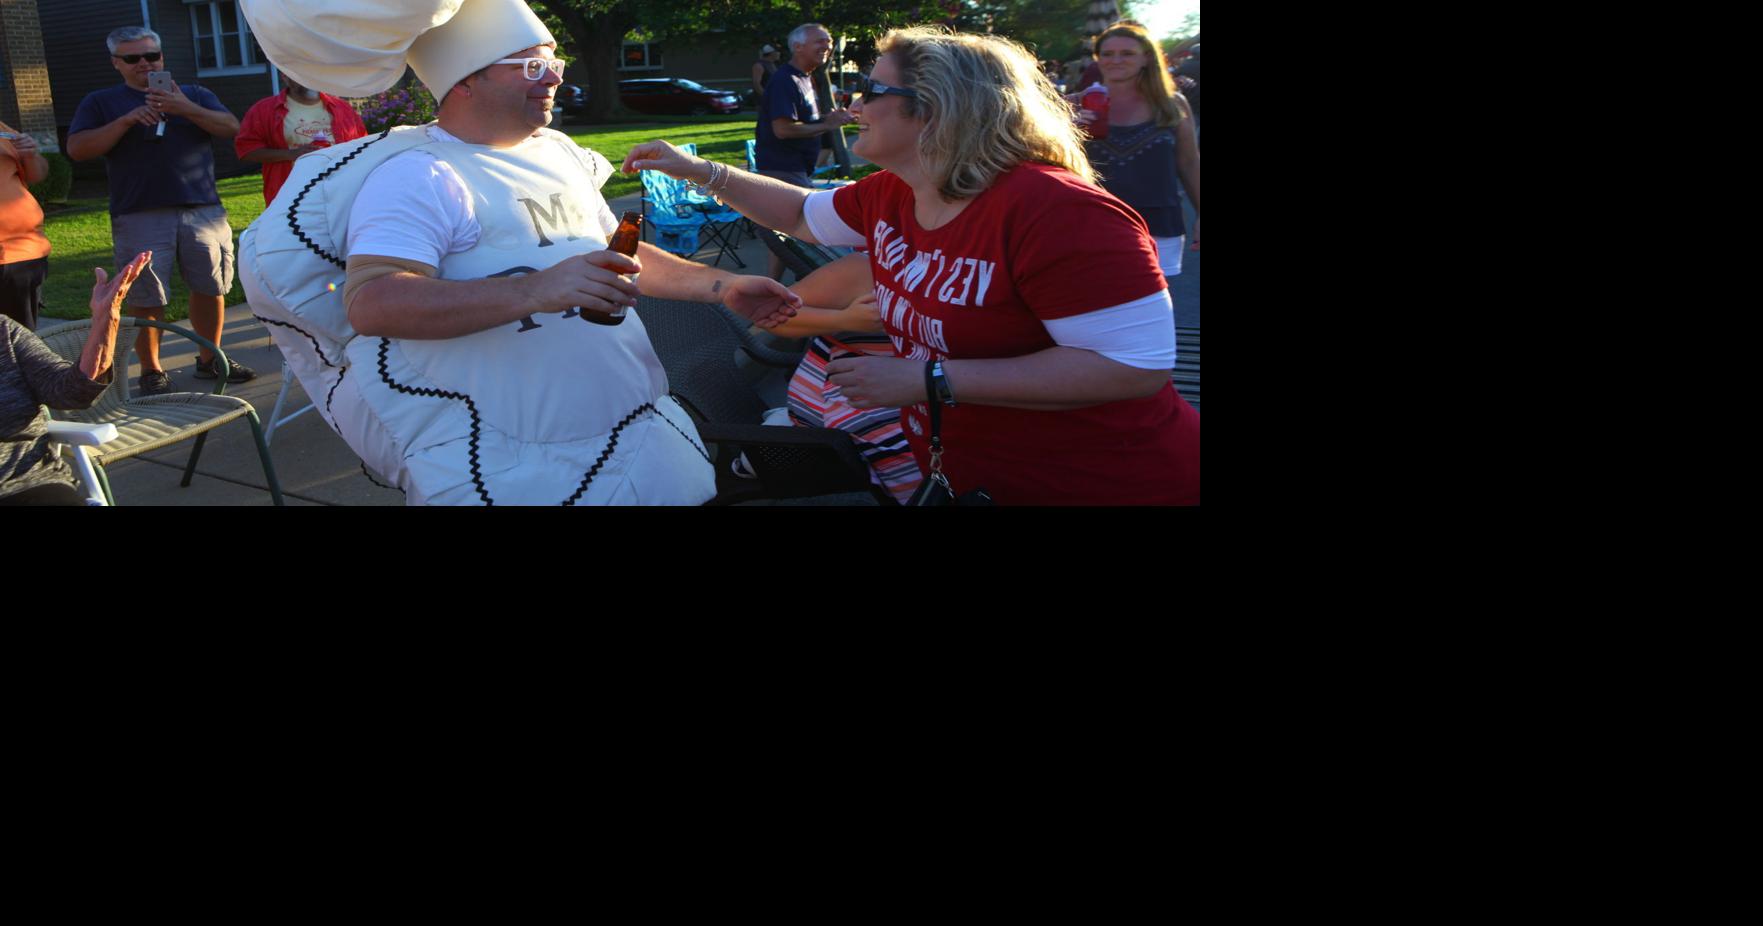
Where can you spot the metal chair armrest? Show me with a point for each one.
(81, 434)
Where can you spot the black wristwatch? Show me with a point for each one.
(941, 382)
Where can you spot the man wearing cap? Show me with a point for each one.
(158, 152)
(763, 69)
(476, 270)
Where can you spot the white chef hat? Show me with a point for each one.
(360, 47)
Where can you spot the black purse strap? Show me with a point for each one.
(936, 408)
(936, 424)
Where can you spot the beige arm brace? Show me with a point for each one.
(365, 268)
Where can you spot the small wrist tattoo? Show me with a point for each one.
(716, 287)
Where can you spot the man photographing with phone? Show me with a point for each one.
(156, 138)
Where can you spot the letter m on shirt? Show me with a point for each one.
(557, 217)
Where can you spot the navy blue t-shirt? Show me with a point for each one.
(148, 172)
(789, 96)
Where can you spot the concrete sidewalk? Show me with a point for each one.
(312, 463)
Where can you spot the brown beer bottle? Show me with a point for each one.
(624, 241)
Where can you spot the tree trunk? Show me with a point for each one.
(835, 140)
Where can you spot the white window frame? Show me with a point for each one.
(228, 52)
(647, 57)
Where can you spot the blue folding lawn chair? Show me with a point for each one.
(665, 209)
(722, 225)
(819, 182)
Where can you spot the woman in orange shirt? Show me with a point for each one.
(24, 252)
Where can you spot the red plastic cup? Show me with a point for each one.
(1095, 99)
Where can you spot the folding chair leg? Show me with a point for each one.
(196, 452)
(275, 486)
(104, 483)
(719, 235)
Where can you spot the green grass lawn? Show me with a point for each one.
(80, 231)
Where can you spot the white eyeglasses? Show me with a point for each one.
(535, 67)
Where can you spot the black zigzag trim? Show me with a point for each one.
(294, 209)
(321, 357)
(477, 477)
(688, 437)
(376, 482)
(315, 348)
(605, 454)
(343, 371)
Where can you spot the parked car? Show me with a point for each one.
(675, 96)
(845, 85)
(572, 99)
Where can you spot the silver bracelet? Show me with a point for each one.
(722, 182)
(703, 189)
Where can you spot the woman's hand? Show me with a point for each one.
(861, 315)
(109, 292)
(107, 295)
(878, 382)
(661, 156)
(25, 145)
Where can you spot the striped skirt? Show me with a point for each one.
(815, 403)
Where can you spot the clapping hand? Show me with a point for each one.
(108, 292)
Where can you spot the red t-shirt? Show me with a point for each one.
(262, 128)
(1039, 244)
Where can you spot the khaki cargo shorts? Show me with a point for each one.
(195, 239)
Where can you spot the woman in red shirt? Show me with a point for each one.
(1020, 297)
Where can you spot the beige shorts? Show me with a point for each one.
(196, 239)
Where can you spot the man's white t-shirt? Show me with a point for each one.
(415, 207)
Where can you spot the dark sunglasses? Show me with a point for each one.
(132, 59)
(871, 89)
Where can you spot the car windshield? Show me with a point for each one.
(692, 85)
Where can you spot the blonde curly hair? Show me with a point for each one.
(988, 107)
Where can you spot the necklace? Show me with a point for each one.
(945, 214)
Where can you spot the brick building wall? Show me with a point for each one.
(25, 101)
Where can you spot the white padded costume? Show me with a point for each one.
(544, 411)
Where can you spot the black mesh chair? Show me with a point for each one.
(697, 343)
(799, 256)
(1187, 365)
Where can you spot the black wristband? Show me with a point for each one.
(940, 388)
